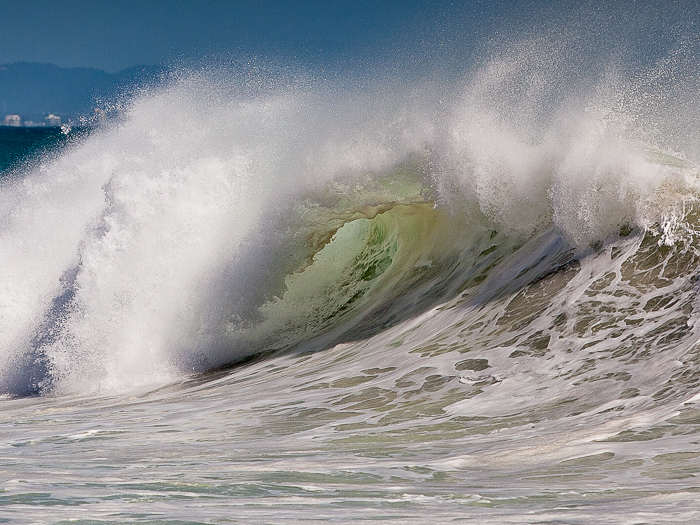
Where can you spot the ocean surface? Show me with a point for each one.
(255, 296)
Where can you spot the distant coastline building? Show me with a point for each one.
(53, 120)
(13, 121)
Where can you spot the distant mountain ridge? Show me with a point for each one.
(34, 89)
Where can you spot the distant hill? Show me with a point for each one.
(30, 89)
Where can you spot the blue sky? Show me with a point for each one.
(115, 34)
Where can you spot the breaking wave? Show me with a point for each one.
(532, 208)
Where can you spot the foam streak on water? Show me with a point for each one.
(471, 301)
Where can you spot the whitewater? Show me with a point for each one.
(257, 295)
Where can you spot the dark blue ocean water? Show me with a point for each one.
(18, 145)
